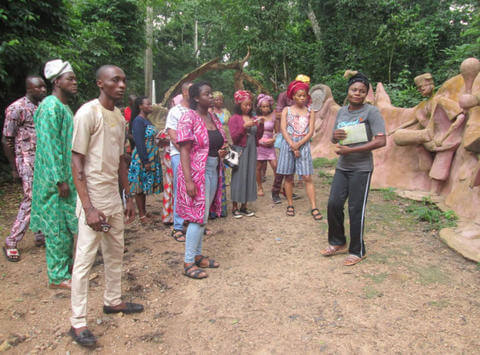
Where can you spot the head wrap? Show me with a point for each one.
(296, 85)
(356, 77)
(216, 94)
(264, 98)
(303, 78)
(241, 95)
(55, 68)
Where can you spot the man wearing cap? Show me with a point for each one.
(282, 102)
(19, 140)
(54, 195)
(98, 163)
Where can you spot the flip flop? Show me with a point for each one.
(334, 249)
(12, 254)
(352, 260)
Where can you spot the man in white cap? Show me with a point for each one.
(98, 163)
(54, 195)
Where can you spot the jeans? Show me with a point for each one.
(177, 220)
(353, 185)
(194, 236)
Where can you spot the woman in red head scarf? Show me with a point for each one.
(297, 127)
(245, 132)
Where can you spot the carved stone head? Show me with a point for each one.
(425, 84)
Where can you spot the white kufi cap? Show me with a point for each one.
(55, 68)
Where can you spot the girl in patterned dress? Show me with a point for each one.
(266, 150)
(297, 126)
(145, 173)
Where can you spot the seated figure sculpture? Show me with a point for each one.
(439, 121)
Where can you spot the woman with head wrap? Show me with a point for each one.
(354, 169)
(297, 126)
(266, 151)
(246, 133)
(223, 115)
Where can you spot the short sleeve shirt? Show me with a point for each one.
(19, 125)
(375, 125)
(174, 115)
(99, 135)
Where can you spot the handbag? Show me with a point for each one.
(232, 159)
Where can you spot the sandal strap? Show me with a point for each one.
(187, 268)
(199, 261)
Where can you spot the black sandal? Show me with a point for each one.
(194, 274)
(178, 235)
(211, 262)
(290, 211)
(316, 216)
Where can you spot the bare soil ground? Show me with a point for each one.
(273, 294)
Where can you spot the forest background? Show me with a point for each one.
(391, 41)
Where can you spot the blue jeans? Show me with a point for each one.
(194, 236)
(177, 220)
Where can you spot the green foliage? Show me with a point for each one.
(388, 193)
(403, 92)
(427, 211)
(327, 177)
(324, 163)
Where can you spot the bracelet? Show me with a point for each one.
(127, 195)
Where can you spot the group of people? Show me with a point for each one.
(82, 173)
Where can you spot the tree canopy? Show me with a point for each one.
(389, 40)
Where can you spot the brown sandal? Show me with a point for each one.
(352, 260)
(290, 211)
(334, 249)
(316, 214)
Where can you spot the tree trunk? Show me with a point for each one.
(148, 52)
(313, 20)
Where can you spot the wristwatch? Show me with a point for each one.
(127, 196)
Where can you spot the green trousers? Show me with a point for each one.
(59, 255)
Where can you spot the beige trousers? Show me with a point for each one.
(112, 250)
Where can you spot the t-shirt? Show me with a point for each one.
(99, 134)
(371, 117)
(174, 115)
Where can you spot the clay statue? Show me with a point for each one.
(439, 122)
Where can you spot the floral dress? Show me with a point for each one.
(142, 181)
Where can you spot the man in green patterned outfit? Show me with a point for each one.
(54, 195)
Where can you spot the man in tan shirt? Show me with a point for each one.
(97, 162)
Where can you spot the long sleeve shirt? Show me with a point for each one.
(239, 133)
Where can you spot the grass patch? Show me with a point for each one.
(371, 292)
(439, 304)
(327, 177)
(436, 219)
(324, 163)
(430, 275)
(377, 278)
(388, 193)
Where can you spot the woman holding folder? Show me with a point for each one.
(359, 128)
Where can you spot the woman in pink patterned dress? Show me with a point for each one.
(266, 150)
(202, 146)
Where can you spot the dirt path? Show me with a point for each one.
(272, 294)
